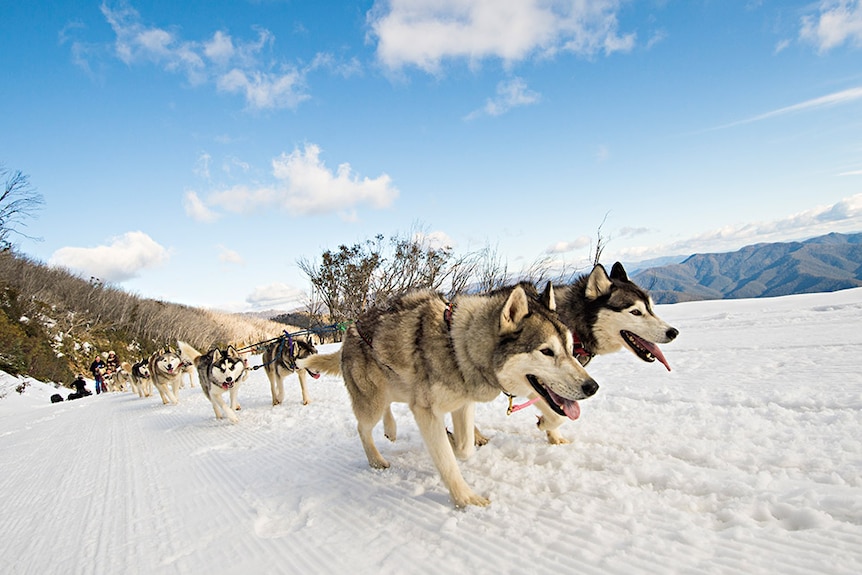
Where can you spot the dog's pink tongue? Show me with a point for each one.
(571, 409)
(654, 349)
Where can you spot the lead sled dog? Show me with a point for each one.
(606, 313)
(441, 357)
(218, 371)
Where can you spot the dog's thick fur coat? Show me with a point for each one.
(279, 360)
(440, 358)
(166, 373)
(218, 371)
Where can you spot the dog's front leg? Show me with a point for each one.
(234, 401)
(463, 431)
(434, 433)
(216, 398)
(549, 421)
(301, 375)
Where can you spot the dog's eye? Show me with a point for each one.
(636, 312)
(547, 351)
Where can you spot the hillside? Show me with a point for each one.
(822, 264)
(52, 322)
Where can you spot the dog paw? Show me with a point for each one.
(554, 438)
(478, 438)
(276, 402)
(379, 464)
(470, 499)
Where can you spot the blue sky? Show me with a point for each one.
(194, 151)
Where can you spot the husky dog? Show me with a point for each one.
(166, 373)
(279, 360)
(218, 371)
(607, 313)
(121, 377)
(140, 376)
(441, 357)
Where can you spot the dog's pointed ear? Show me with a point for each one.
(619, 273)
(516, 309)
(548, 299)
(232, 352)
(598, 284)
(216, 355)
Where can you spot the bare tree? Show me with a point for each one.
(18, 202)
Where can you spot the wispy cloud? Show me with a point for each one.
(510, 94)
(197, 210)
(838, 22)
(835, 99)
(275, 296)
(845, 215)
(229, 256)
(122, 259)
(302, 184)
(232, 65)
(424, 34)
(568, 246)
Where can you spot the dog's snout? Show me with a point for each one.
(589, 388)
(229, 379)
(672, 333)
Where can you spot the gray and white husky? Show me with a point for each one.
(607, 313)
(166, 372)
(441, 357)
(218, 371)
(279, 360)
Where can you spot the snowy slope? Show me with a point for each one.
(747, 458)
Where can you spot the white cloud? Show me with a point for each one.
(564, 247)
(839, 21)
(229, 256)
(510, 94)
(263, 90)
(305, 185)
(197, 210)
(842, 216)
(434, 240)
(231, 64)
(276, 296)
(426, 32)
(122, 259)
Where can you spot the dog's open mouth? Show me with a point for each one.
(646, 350)
(227, 385)
(314, 374)
(562, 406)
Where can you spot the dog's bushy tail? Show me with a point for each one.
(329, 363)
(187, 352)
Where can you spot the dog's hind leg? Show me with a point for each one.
(368, 408)
(390, 429)
(433, 431)
(276, 388)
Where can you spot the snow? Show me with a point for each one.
(747, 457)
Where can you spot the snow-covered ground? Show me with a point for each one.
(747, 458)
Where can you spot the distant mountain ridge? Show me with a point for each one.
(823, 264)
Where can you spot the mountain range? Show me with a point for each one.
(822, 264)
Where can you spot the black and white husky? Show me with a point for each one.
(279, 360)
(607, 313)
(218, 371)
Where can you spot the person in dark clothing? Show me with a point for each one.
(80, 388)
(98, 369)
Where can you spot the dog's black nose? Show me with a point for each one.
(590, 387)
(672, 333)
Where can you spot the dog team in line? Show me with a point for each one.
(441, 357)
